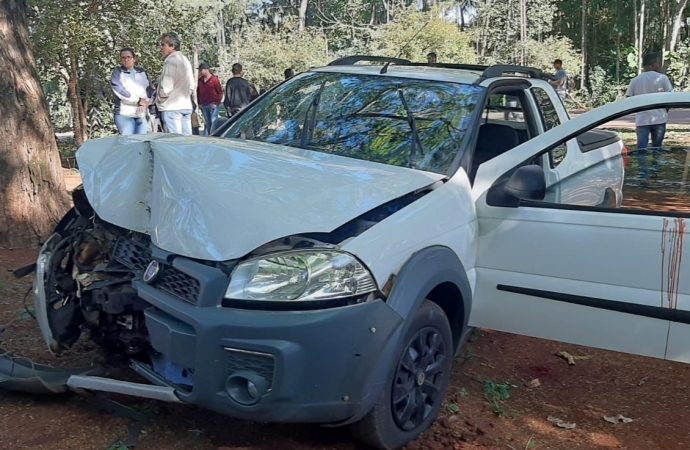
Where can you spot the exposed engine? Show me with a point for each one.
(89, 288)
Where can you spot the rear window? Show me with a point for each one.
(365, 117)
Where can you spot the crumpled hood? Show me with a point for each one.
(219, 199)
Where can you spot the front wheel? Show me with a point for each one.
(416, 385)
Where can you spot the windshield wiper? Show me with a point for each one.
(416, 142)
(308, 128)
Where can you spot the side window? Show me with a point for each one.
(549, 119)
(504, 107)
(629, 169)
(507, 109)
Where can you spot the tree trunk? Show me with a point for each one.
(640, 49)
(32, 189)
(637, 30)
(618, 57)
(583, 75)
(79, 121)
(523, 31)
(304, 4)
(677, 23)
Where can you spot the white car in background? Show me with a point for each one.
(323, 257)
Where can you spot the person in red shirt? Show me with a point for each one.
(209, 92)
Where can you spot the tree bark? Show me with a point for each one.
(79, 120)
(640, 48)
(303, 6)
(523, 31)
(583, 75)
(677, 24)
(32, 188)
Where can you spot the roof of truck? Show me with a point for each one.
(446, 72)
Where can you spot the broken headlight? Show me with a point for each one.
(300, 276)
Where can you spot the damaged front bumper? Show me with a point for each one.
(323, 366)
(22, 375)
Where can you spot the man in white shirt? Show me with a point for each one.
(651, 122)
(176, 86)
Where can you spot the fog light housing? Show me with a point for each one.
(246, 388)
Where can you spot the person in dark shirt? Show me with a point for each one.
(209, 92)
(237, 91)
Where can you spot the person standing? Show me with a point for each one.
(237, 91)
(431, 58)
(175, 88)
(209, 93)
(560, 84)
(651, 123)
(132, 88)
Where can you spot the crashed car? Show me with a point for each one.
(323, 257)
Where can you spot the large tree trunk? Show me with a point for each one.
(32, 189)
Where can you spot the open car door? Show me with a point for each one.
(594, 269)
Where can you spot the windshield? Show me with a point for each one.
(398, 121)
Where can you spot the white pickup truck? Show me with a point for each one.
(323, 256)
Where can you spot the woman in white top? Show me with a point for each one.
(133, 92)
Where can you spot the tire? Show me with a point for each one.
(390, 424)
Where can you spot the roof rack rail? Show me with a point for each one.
(500, 70)
(351, 60)
(476, 67)
(497, 70)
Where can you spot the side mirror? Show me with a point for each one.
(218, 123)
(527, 183)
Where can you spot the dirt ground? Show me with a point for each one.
(490, 404)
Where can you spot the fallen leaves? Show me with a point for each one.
(617, 419)
(561, 423)
(572, 358)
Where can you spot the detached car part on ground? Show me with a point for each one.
(309, 264)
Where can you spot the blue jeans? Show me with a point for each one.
(657, 133)
(131, 125)
(210, 116)
(179, 122)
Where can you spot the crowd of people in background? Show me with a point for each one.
(168, 104)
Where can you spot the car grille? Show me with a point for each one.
(132, 254)
(137, 256)
(179, 284)
(263, 364)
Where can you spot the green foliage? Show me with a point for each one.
(496, 394)
(603, 89)
(440, 36)
(678, 66)
(264, 55)
(78, 42)
(542, 54)
(453, 408)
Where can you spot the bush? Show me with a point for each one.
(439, 36)
(264, 55)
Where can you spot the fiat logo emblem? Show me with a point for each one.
(152, 272)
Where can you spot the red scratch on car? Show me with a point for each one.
(672, 235)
